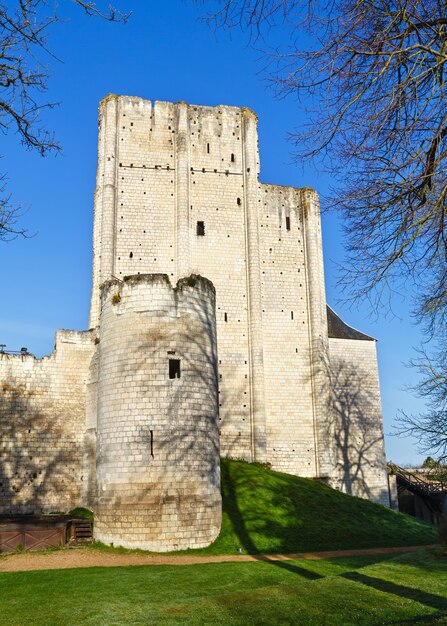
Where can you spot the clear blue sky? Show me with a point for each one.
(163, 53)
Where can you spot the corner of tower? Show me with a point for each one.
(108, 98)
(249, 113)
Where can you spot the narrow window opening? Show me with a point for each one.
(232, 157)
(131, 255)
(239, 202)
(225, 317)
(291, 315)
(152, 443)
(200, 229)
(287, 223)
(174, 368)
(208, 148)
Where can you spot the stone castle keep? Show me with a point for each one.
(209, 336)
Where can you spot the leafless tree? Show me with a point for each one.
(373, 74)
(430, 427)
(24, 52)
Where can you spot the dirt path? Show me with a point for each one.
(87, 557)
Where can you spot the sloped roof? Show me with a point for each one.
(338, 329)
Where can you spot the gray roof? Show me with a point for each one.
(338, 329)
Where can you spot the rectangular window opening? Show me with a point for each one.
(200, 229)
(152, 443)
(208, 148)
(287, 222)
(291, 315)
(225, 317)
(174, 368)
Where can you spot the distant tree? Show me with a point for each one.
(374, 73)
(430, 463)
(24, 26)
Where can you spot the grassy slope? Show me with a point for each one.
(266, 511)
(380, 589)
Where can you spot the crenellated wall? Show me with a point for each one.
(42, 423)
(157, 449)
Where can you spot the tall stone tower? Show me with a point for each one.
(167, 378)
(157, 440)
(178, 192)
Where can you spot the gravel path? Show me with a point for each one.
(87, 557)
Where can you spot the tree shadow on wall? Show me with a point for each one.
(355, 427)
(288, 515)
(36, 473)
(175, 435)
(194, 343)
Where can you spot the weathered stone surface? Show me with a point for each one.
(157, 452)
(100, 422)
(42, 424)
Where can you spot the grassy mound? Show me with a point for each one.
(266, 511)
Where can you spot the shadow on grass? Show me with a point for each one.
(416, 595)
(434, 618)
(237, 519)
(272, 512)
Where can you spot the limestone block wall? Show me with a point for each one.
(356, 416)
(42, 423)
(163, 168)
(294, 327)
(177, 192)
(158, 473)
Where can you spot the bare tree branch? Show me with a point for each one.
(374, 75)
(24, 25)
(430, 427)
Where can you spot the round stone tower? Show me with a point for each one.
(157, 456)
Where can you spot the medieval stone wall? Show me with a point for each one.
(157, 449)
(42, 423)
(178, 192)
(163, 168)
(294, 329)
(356, 420)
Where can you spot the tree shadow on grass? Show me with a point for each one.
(416, 595)
(237, 519)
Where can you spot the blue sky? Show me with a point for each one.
(163, 53)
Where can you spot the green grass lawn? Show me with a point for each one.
(266, 512)
(407, 589)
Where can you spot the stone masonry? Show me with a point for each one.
(178, 191)
(264, 363)
(157, 456)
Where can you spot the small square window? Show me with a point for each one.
(174, 368)
(200, 229)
